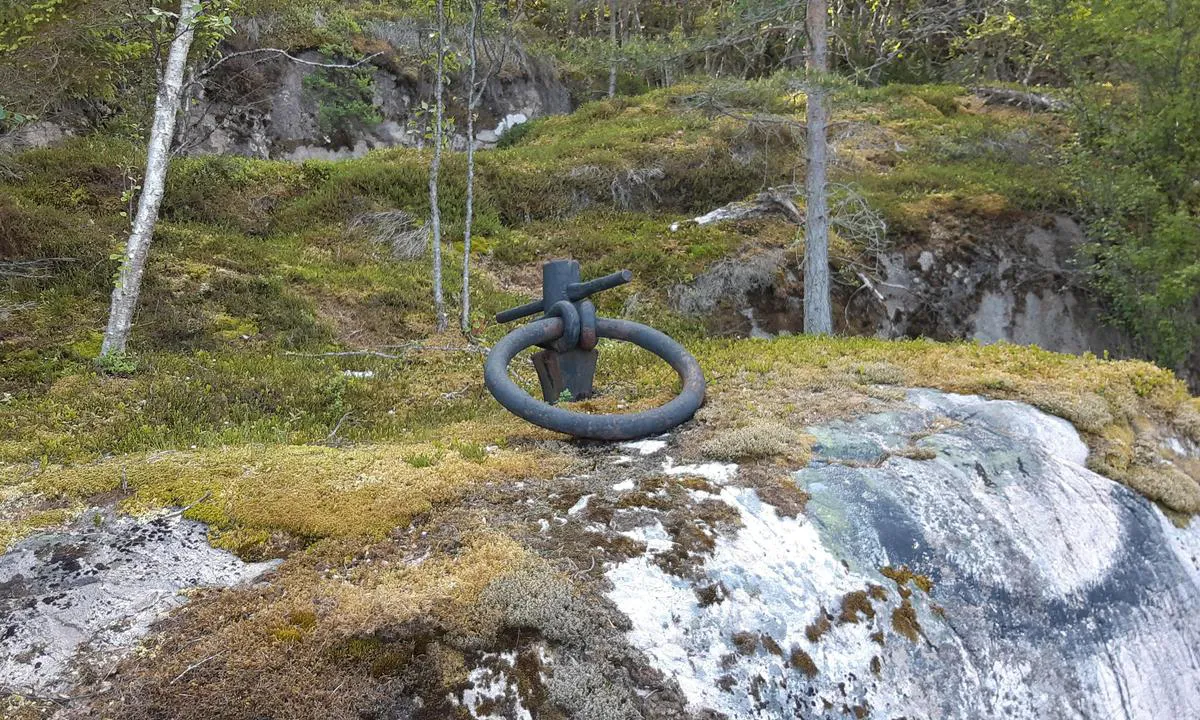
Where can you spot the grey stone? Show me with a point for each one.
(33, 136)
(76, 601)
(280, 120)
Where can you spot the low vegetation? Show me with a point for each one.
(272, 337)
(286, 386)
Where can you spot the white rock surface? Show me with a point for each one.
(509, 122)
(491, 692)
(81, 597)
(645, 447)
(1057, 593)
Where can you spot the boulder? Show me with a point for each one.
(957, 560)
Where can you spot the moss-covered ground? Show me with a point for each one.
(266, 326)
(290, 392)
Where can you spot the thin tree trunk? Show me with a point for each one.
(435, 215)
(158, 156)
(612, 37)
(818, 313)
(464, 322)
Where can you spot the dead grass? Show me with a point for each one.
(853, 604)
(762, 394)
(346, 631)
(756, 441)
(342, 631)
(802, 661)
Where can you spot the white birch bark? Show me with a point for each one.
(158, 157)
(435, 215)
(464, 321)
(612, 37)
(818, 313)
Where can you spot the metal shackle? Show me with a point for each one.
(600, 426)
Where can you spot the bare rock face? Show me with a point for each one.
(1020, 285)
(33, 136)
(264, 107)
(72, 603)
(956, 560)
(1018, 281)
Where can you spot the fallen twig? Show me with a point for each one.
(1019, 98)
(195, 665)
(772, 201)
(866, 281)
(181, 511)
(348, 353)
(333, 433)
(289, 56)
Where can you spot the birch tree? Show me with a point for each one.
(818, 314)
(205, 24)
(613, 9)
(464, 320)
(158, 156)
(435, 215)
(475, 92)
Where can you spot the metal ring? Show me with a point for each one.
(587, 326)
(596, 427)
(571, 325)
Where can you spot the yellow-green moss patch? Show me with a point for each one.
(799, 381)
(247, 492)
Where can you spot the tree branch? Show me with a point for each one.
(289, 56)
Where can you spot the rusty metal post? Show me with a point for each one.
(568, 367)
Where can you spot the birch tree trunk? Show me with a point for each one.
(435, 215)
(464, 321)
(818, 314)
(158, 156)
(612, 37)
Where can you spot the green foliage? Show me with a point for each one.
(1136, 157)
(230, 192)
(117, 364)
(10, 120)
(213, 24)
(307, 24)
(345, 99)
(18, 24)
(1151, 274)
(517, 134)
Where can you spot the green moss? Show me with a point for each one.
(83, 173)
(1104, 399)
(16, 528)
(306, 24)
(230, 192)
(253, 278)
(304, 491)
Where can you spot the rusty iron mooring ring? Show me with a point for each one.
(596, 427)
